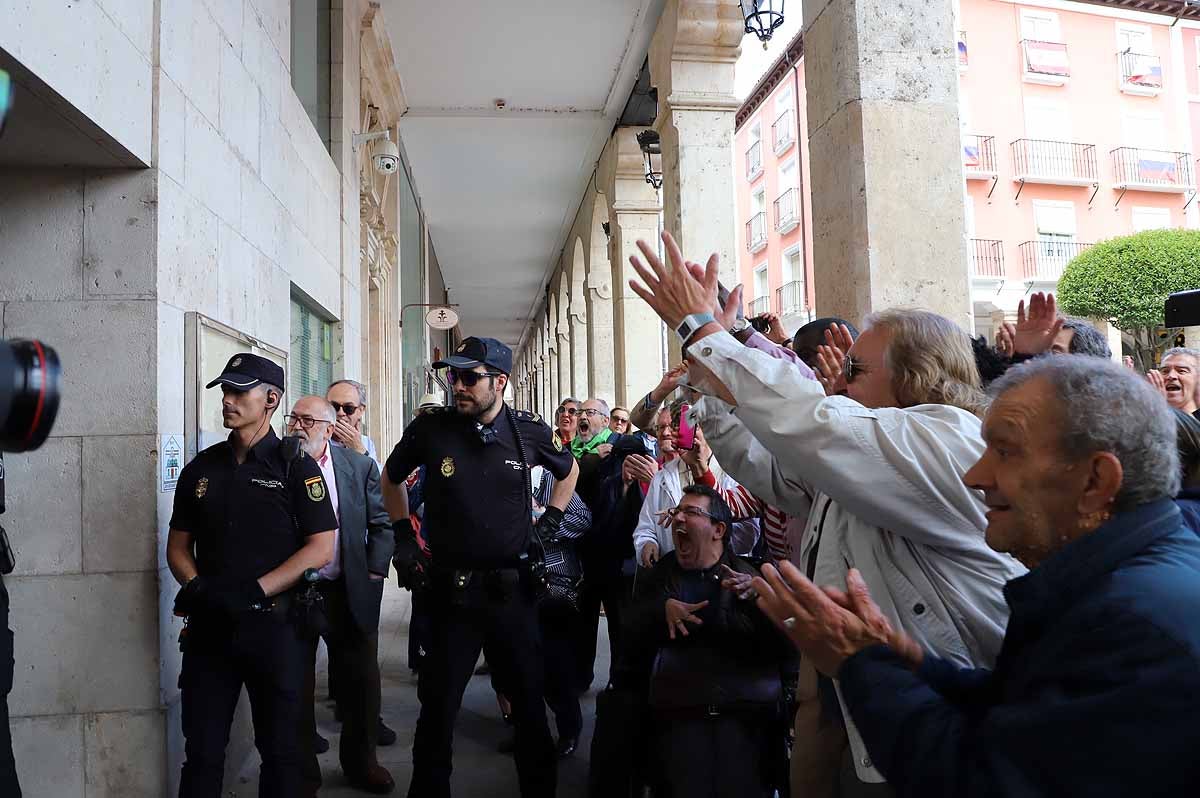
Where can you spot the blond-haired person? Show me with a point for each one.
(884, 463)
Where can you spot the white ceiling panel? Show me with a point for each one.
(500, 188)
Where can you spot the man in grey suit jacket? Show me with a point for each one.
(352, 586)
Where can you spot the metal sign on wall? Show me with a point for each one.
(442, 318)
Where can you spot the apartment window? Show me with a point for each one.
(1151, 219)
(754, 166)
(1055, 223)
(1047, 120)
(312, 37)
(792, 299)
(1144, 130)
(1134, 39)
(311, 358)
(788, 175)
(783, 128)
(762, 292)
(756, 226)
(1040, 26)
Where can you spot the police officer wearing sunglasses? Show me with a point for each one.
(477, 496)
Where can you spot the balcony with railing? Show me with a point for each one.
(787, 211)
(1045, 62)
(756, 232)
(987, 258)
(754, 165)
(1043, 260)
(1141, 73)
(760, 305)
(791, 298)
(979, 157)
(1152, 170)
(1060, 163)
(783, 132)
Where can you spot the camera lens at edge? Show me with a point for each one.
(29, 394)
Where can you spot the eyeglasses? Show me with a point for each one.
(349, 408)
(304, 422)
(620, 419)
(570, 411)
(851, 368)
(468, 378)
(592, 412)
(691, 511)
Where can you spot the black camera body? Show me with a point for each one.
(1182, 309)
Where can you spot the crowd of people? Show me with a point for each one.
(878, 557)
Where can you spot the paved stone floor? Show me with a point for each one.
(479, 769)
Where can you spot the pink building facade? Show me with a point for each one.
(1079, 123)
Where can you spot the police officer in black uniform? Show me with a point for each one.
(251, 515)
(483, 579)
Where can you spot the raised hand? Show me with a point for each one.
(1157, 382)
(1036, 329)
(775, 332)
(1005, 337)
(670, 289)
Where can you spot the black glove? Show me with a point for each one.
(410, 560)
(225, 595)
(187, 600)
(550, 524)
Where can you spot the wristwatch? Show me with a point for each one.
(741, 325)
(690, 324)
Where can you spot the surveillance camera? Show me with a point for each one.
(386, 157)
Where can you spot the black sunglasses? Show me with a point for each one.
(570, 411)
(851, 368)
(348, 408)
(468, 378)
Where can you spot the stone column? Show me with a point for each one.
(886, 160)
(692, 57)
(635, 214)
(578, 321)
(597, 289)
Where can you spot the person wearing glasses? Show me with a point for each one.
(618, 422)
(352, 586)
(711, 660)
(566, 420)
(884, 464)
(349, 400)
(476, 456)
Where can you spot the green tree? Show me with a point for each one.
(1127, 279)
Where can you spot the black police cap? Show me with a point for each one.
(245, 370)
(474, 352)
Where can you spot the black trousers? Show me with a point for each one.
(715, 757)
(420, 625)
(558, 647)
(265, 653)
(354, 670)
(505, 620)
(8, 766)
(608, 588)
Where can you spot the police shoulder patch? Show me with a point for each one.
(528, 415)
(315, 487)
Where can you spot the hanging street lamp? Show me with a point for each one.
(651, 147)
(762, 18)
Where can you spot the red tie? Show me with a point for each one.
(324, 458)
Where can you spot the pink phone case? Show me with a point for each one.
(687, 434)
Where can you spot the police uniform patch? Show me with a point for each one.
(448, 467)
(557, 442)
(201, 487)
(237, 361)
(316, 488)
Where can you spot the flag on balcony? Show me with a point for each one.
(971, 156)
(1047, 58)
(1145, 70)
(1155, 169)
(962, 53)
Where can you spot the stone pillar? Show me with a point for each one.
(692, 58)
(635, 215)
(578, 321)
(562, 333)
(601, 355)
(886, 160)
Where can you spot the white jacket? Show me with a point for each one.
(888, 499)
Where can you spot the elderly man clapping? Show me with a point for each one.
(884, 465)
(1097, 687)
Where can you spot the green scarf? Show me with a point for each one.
(579, 448)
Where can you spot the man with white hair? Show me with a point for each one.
(349, 400)
(884, 464)
(352, 587)
(1175, 378)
